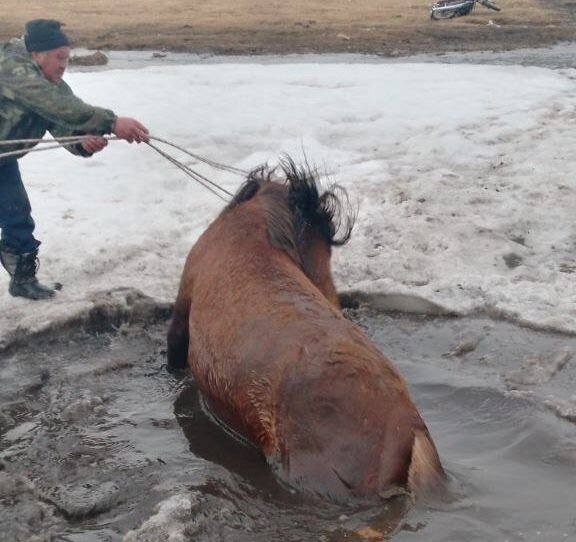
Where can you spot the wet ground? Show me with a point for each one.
(562, 55)
(99, 443)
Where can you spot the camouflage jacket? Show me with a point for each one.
(30, 104)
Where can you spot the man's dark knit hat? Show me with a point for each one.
(44, 35)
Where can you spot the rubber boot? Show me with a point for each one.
(22, 269)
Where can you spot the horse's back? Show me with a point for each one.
(279, 364)
(288, 372)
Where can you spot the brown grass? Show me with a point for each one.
(287, 26)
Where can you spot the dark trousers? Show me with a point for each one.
(16, 220)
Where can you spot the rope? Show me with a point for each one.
(68, 141)
(46, 148)
(215, 165)
(40, 141)
(204, 181)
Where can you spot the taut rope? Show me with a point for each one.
(74, 140)
(204, 181)
(49, 144)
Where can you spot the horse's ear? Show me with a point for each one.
(246, 191)
(255, 180)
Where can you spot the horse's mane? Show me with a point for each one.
(289, 212)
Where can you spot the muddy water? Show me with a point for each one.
(99, 443)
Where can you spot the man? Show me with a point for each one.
(34, 99)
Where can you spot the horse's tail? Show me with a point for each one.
(330, 212)
(426, 477)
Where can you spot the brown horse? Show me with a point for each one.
(258, 321)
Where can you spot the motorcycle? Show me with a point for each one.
(448, 9)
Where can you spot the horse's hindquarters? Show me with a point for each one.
(275, 359)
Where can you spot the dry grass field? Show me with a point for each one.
(387, 27)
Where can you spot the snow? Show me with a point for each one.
(463, 176)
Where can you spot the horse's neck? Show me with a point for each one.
(315, 255)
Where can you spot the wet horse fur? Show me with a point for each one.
(257, 320)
